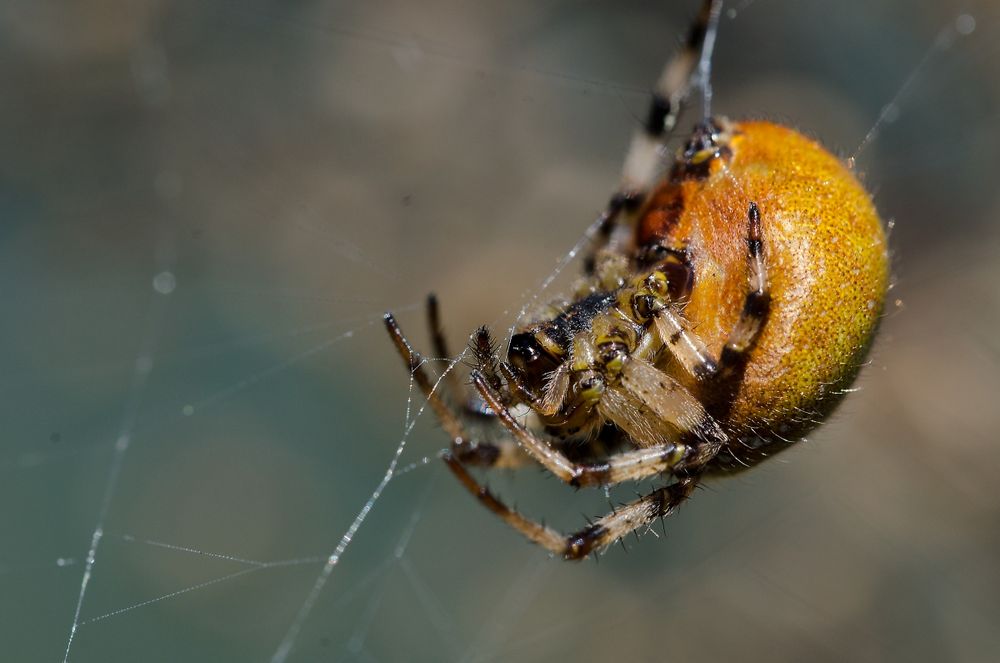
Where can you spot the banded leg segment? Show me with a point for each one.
(499, 454)
(685, 345)
(449, 420)
(438, 341)
(658, 504)
(626, 466)
(691, 352)
(642, 162)
(756, 305)
(665, 104)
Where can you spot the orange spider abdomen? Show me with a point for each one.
(827, 269)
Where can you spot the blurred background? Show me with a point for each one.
(206, 207)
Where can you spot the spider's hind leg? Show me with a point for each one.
(603, 532)
(664, 455)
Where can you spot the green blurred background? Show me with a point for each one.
(206, 206)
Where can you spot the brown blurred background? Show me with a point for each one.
(205, 207)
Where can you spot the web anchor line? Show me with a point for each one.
(291, 636)
(961, 26)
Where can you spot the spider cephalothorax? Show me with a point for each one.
(723, 312)
(593, 364)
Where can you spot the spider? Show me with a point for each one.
(723, 311)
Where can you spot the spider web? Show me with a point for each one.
(211, 451)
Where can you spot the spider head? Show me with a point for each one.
(562, 367)
(538, 350)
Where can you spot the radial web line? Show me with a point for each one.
(140, 376)
(194, 551)
(393, 38)
(356, 642)
(261, 376)
(32, 460)
(961, 26)
(254, 567)
(434, 610)
(271, 371)
(705, 61)
(288, 642)
(207, 583)
(530, 300)
(128, 430)
(519, 594)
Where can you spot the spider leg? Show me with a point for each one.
(484, 356)
(625, 466)
(691, 351)
(643, 159)
(500, 454)
(438, 341)
(620, 522)
(756, 305)
(685, 345)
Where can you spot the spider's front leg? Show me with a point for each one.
(500, 454)
(605, 531)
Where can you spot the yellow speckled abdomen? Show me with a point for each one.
(827, 266)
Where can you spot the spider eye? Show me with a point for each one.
(524, 350)
(643, 306)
